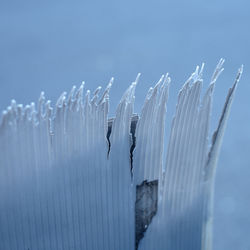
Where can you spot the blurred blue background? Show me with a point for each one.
(51, 45)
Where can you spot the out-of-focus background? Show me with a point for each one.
(51, 45)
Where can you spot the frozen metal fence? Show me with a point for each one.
(70, 178)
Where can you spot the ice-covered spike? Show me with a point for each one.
(48, 110)
(125, 95)
(137, 78)
(9, 110)
(87, 96)
(98, 89)
(79, 92)
(95, 95)
(218, 71)
(120, 169)
(129, 93)
(33, 114)
(131, 96)
(32, 107)
(60, 110)
(156, 87)
(164, 89)
(13, 104)
(19, 112)
(240, 71)
(70, 102)
(71, 95)
(27, 112)
(161, 80)
(195, 75)
(210, 166)
(12, 109)
(106, 92)
(41, 102)
(201, 70)
(168, 80)
(86, 103)
(180, 178)
(61, 100)
(165, 80)
(218, 134)
(187, 83)
(78, 98)
(150, 91)
(148, 130)
(124, 108)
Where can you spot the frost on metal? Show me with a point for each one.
(71, 178)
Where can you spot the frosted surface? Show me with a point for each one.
(64, 186)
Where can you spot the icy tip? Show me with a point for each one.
(241, 69)
(111, 80)
(197, 75)
(221, 62)
(137, 78)
(82, 84)
(98, 89)
(201, 70)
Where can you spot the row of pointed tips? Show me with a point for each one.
(76, 101)
(17, 112)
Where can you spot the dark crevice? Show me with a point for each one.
(145, 208)
(110, 122)
(134, 121)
